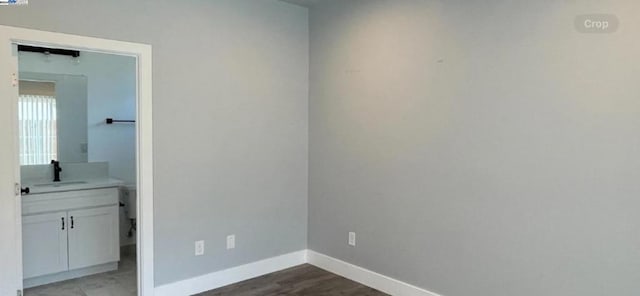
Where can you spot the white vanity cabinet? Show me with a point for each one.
(69, 234)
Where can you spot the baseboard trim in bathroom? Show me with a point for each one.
(128, 250)
(67, 275)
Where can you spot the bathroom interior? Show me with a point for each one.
(77, 135)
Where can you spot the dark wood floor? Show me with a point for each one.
(299, 280)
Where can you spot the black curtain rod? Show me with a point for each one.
(112, 121)
(46, 50)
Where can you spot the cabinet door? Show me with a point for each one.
(93, 237)
(44, 244)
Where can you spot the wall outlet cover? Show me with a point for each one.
(199, 248)
(352, 239)
(231, 242)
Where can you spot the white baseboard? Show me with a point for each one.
(232, 275)
(364, 276)
(237, 274)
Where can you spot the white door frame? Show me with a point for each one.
(11, 250)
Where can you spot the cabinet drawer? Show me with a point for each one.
(64, 201)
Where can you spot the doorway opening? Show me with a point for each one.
(82, 155)
(78, 171)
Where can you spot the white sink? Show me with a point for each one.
(60, 184)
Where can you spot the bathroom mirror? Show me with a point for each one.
(65, 101)
(52, 118)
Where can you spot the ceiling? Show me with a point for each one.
(305, 3)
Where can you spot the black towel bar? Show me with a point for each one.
(112, 121)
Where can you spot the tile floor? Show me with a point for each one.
(121, 282)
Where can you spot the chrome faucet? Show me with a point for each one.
(56, 170)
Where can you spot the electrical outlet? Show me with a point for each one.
(231, 242)
(199, 248)
(352, 239)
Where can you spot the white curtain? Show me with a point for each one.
(38, 129)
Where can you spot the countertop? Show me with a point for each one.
(71, 185)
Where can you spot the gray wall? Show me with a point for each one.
(112, 93)
(230, 120)
(478, 147)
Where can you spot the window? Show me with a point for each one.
(37, 117)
